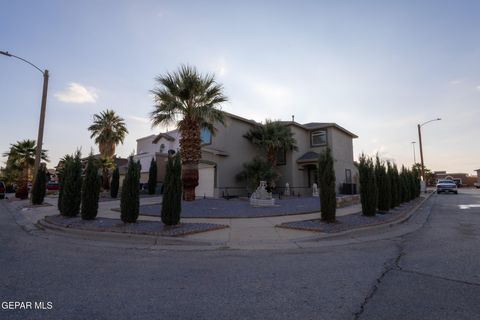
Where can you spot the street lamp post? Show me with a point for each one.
(38, 151)
(420, 143)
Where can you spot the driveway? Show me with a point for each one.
(426, 268)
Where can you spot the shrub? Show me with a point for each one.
(90, 190)
(255, 171)
(326, 180)
(368, 187)
(39, 188)
(383, 186)
(130, 201)
(152, 177)
(115, 183)
(72, 186)
(172, 196)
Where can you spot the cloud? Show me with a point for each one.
(139, 119)
(273, 93)
(478, 87)
(77, 93)
(455, 82)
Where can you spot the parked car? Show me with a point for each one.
(476, 185)
(2, 190)
(447, 186)
(52, 185)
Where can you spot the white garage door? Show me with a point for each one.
(206, 176)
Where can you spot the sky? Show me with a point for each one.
(377, 68)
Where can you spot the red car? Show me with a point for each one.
(2, 190)
(52, 185)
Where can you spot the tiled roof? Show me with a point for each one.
(308, 157)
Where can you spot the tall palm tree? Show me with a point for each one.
(272, 137)
(109, 130)
(192, 101)
(21, 157)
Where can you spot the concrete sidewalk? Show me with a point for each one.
(243, 233)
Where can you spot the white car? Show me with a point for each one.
(447, 186)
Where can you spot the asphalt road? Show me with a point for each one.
(430, 272)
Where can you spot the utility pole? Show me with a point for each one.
(38, 151)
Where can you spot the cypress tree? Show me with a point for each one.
(416, 176)
(152, 177)
(172, 195)
(90, 190)
(115, 183)
(60, 192)
(395, 185)
(412, 185)
(326, 179)
(383, 186)
(404, 189)
(72, 186)
(368, 187)
(39, 188)
(60, 175)
(130, 196)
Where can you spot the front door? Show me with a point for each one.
(312, 175)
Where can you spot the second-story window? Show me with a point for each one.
(318, 138)
(206, 136)
(281, 157)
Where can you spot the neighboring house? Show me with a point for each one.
(156, 147)
(224, 154)
(121, 163)
(461, 179)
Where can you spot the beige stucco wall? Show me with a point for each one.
(342, 152)
(297, 174)
(229, 138)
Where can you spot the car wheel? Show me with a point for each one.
(438, 192)
(456, 192)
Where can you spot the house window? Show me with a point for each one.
(281, 157)
(348, 176)
(318, 138)
(205, 136)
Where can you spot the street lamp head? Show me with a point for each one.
(5, 53)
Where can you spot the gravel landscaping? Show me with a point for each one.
(155, 228)
(238, 208)
(352, 221)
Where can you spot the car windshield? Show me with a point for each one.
(446, 181)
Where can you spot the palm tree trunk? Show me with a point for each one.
(190, 148)
(105, 179)
(22, 185)
(189, 180)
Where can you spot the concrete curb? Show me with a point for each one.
(361, 229)
(153, 242)
(145, 239)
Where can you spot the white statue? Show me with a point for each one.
(261, 197)
(315, 190)
(287, 189)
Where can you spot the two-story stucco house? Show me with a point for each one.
(156, 147)
(224, 154)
